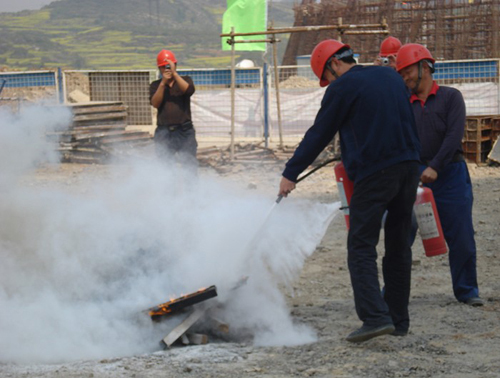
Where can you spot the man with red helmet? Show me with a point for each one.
(440, 116)
(388, 51)
(171, 95)
(369, 108)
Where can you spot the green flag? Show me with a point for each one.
(245, 16)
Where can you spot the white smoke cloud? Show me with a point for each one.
(22, 138)
(79, 267)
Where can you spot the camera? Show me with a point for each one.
(167, 66)
(384, 61)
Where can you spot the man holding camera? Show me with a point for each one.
(171, 95)
(388, 51)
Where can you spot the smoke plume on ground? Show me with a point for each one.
(78, 267)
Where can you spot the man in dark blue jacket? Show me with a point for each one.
(369, 108)
(440, 117)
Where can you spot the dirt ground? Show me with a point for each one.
(446, 339)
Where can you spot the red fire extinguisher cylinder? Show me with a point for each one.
(345, 187)
(425, 210)
(429, 224)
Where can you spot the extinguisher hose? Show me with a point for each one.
(280, 197)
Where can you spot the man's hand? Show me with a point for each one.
(429, 175)
(168, 74)
(286, 186)
(172, 66)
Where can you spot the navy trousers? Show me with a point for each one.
(453, 195)
(392, 190)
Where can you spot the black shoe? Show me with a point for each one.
(366, 333)
(474, 302)
(399, 332)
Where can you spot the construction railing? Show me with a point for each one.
(256, 118)
(29, 86)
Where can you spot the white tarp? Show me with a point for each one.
(480, 98)
(211, 109)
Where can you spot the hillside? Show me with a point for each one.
(121, 34)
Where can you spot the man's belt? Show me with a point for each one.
(181, 126)
(458, 157)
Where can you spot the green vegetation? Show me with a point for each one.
(121, 34)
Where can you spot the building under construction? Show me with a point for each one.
(451, 29)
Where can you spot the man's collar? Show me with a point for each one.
(433, 91)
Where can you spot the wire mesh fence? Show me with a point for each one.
(256, 100)
(300, 98)
(211, 105)
(129, 87)
(478, 80)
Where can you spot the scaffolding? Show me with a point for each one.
(451, 29)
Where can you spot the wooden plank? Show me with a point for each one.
(182, 302)
(183, 327)
(185, 339)
(111, 133)
(256, 161)
(100, 109)
(100, 126)
(125, 138)
(219, 324)
(97, 122)
(100, 116)
(197, 338)
(93, 103)
(208, 150)
(83, 159)
(494, 154)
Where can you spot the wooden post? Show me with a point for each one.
(233, 79)
(277, 89)
(183, 327)
(340, 29)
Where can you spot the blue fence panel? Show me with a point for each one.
(223, 77)
(29, 79)
(466, 70)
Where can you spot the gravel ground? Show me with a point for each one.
(447, 339)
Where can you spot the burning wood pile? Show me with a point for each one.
(98, 132)
(183, 313)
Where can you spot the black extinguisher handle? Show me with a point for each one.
(280, 197)
(315, 169)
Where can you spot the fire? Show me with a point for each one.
(177, 304)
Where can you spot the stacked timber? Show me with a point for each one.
(480, 134)
(97, 133)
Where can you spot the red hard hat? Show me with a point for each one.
(390, 46)
(163, 55)
(412, 53)
(321, 53)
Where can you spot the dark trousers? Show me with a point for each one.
(177, 142)
(453, 195)
(393, 190)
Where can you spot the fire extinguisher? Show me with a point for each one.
(425, 210)
(345, 187)
(428, 223)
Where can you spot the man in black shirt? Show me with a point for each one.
(171, 95)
